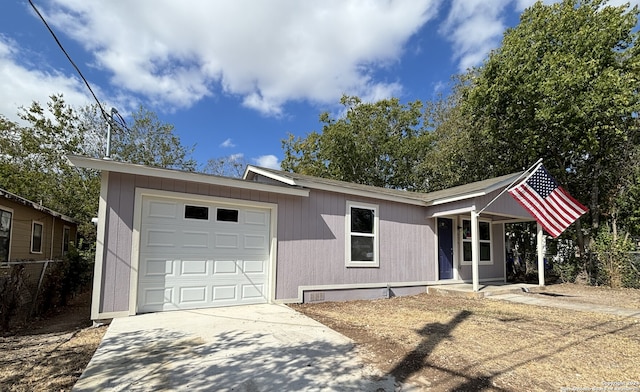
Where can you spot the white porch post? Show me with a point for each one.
(540, 244)
(475, 250)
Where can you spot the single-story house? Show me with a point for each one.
(31, 234)
(170, 239)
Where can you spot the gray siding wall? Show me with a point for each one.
(311, 236)
(496, 270)
(504, 205)
(311, 244)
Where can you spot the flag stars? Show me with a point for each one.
(542, 182)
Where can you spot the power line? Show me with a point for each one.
(104, 113)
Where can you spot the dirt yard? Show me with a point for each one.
(51, 353)
(453, 343)
(437, 343)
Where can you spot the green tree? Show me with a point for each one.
(378, 144)
(455, 155)
(229, 166)
(148, 141)
(33, 163)
(33, 156)
(563, 87)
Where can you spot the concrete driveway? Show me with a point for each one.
(243, 348)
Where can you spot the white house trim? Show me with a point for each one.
(100, 248)
(268, 174)
(130, 168)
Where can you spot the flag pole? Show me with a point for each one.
(528, 171)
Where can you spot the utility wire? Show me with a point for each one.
(104, 113)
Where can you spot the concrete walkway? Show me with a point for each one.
(486, 289)
(242, 348)
(539, 299)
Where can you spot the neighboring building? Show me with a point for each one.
(31, 234)
(170, 240)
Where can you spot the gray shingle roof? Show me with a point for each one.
(459, 192)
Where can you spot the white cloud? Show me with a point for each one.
(474, 27)
(22, 85)
(266, 53)
(439, 86)
(236, 157)
(268, 161)
(227, 143)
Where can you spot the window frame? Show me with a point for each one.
(5, 263)
(469, 240)
(375, 263)
(237, 210)
(188, 206)
(66, 232)
(33, 236)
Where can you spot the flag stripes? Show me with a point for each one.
(553, 207)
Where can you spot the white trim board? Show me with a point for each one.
(130, 168)
(100, 248)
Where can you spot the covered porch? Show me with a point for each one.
(470, 235)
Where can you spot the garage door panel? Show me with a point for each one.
(194, 268)
(259, 218)
(252, 291)
(195, 239)
(161, 209)
(160, 238)
(227, 240)
(253, 266)
(224, 293)
(255, 241)
(225, 267)
(156, 267)
(193, 295)
(157, 296)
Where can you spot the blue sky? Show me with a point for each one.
(236, 76)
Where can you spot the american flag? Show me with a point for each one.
(547, 202)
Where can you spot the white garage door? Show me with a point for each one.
(196, 255)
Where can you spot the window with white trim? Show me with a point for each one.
(5, 235)
(484, 231)
(36, 237)
(362, 235)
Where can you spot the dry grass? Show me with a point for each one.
(50, 354)
(452, 343)
(438, 343)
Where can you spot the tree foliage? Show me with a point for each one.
(378, 144)
(33, 163)
(563, 87)
(228, 166)
(148, 141)
(454, 156)
(33, 154)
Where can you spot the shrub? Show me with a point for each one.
(614, 265)
(12, 295)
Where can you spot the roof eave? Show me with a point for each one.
(36, 206)
(135, 169)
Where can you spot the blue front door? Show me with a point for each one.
(445, 248)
